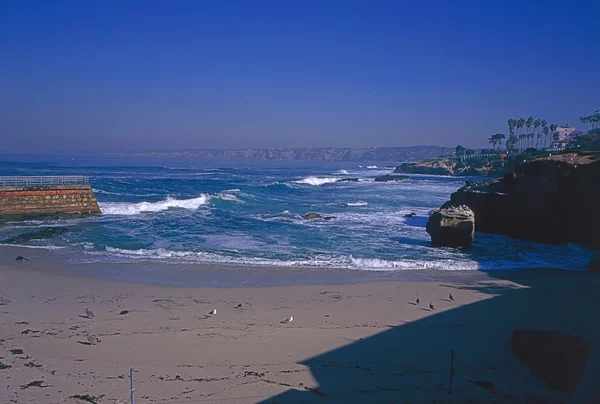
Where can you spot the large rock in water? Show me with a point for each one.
(451, 227)
(557, 358)
(388, 178)
(550, 200)
(594, 265)
(313, 215)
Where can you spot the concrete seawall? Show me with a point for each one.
(47, 202)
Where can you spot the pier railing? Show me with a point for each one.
(17, 181)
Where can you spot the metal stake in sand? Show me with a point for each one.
(131, 386)
(451, 371)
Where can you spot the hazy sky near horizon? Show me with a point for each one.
(117, 75)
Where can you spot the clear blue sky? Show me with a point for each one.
(114, 75)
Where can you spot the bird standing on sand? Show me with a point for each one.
(417, 301)
(451, 297)
(431, 306)
(89, 313)
(212, 312)
(288, 320)
(239, 306)
(92, 338)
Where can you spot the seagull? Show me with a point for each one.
(418, 301)
(451, 297)
(89, 313)
(92, 338)
(239, 306)
(431, 306)
(247, 101)
(212, 312)
(288, 320)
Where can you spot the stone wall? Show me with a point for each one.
(47, 202)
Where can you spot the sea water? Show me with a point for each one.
(243, 214)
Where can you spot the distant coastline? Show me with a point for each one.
(400, 154)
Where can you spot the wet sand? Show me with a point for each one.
(365, 342)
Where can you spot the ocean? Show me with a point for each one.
(248, 214)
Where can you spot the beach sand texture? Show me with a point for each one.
(347, 343)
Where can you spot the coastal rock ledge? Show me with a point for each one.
(451, 227)
(551, 200)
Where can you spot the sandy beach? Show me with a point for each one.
(365, 342)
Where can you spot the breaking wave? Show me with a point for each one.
(128, 209)
(359, 203)
(316, 181)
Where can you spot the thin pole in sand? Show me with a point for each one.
(131, 386)
(451, 371)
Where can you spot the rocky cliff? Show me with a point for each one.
(484, 166)
(551, 200)
(411, 153)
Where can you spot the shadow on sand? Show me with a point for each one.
(411, 362)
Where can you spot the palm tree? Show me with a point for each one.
(511, 125)
(520, 125)
(546, 132)
(528, 123)
(536, 125)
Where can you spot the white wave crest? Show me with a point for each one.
(228, 197)
(341, 172)
(371, 167)
(359, 203)
(316, 181)
(126, 208)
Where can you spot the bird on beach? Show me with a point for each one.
(288, 320)
(239, 306)
(451, 297)
(212, 312)
(431, 306)
(417, 301)
(92, 338)
(89, 313)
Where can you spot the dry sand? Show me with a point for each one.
(348, 343)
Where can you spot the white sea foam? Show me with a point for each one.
(341, 172)
(371, 167)
(316, 181)
(126, 208)
(359, 203)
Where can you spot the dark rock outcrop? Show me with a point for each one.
(594, 265)
(313, 216)
(550, 200)
(388, 177)
(451, 227)
(411, 214)
(348, 180)
(432, 167)
(45, 233)
(557, 358)
(21, 258)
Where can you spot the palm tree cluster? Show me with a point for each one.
(521, 136)
(592, 119)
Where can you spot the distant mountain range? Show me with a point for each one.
(400, 154)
